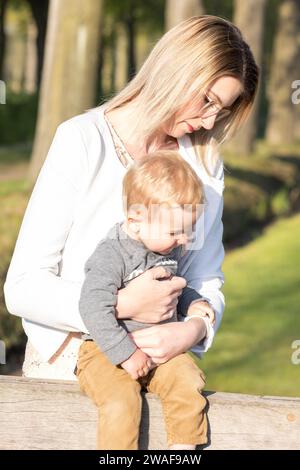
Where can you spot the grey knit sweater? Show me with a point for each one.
(117, 260)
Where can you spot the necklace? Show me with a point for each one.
(123, 155)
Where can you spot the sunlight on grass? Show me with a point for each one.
(14, 197)
(252, 350)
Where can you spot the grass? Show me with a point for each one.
(252, 350)
(14, 196)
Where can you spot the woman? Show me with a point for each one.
(194, 90)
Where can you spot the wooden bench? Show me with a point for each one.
(48, 414)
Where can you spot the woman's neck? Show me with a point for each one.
(122, 119)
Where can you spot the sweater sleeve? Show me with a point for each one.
(98, 301)
(188, 296)
(33, 288)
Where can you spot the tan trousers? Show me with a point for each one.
(178, 383)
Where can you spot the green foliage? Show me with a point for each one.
(14, 154)
(149, 14)
(245, 203)
(18, 118)
(16, 4)
(20, 10)
(280, 203)
(223, 8)
(258, 189)
(252, 351)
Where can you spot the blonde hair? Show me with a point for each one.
(163, 178)
(183, 63)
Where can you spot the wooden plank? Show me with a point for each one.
(41, 414)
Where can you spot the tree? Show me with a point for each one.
(179, 10)
(130, 28)
(249, 17)
(215, 7)
(39, 9)
(130, 21)
(69, 72)
(3, 5)
(284, 114)
(123, 18)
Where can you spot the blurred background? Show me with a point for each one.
(61, 57)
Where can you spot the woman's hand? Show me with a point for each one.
(162, 342)
(151, 297)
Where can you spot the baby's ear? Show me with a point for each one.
(133, 225)
(137, 213)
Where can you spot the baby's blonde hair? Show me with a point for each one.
(163, 178)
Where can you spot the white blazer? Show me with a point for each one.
(76, 199)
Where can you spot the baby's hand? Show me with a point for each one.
(138, 364)
(203, 309)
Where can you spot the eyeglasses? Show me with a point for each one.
(212, 108)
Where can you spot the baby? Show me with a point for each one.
(163, 198)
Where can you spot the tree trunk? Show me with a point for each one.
(39, 10)
(249, 16)
(99, 88)
(284, 114)
(30, 79)
(179, 10)
(3, 4)
(69, 72)
(130, 23)
(113, 59)
(14, 68)
(121, 56)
